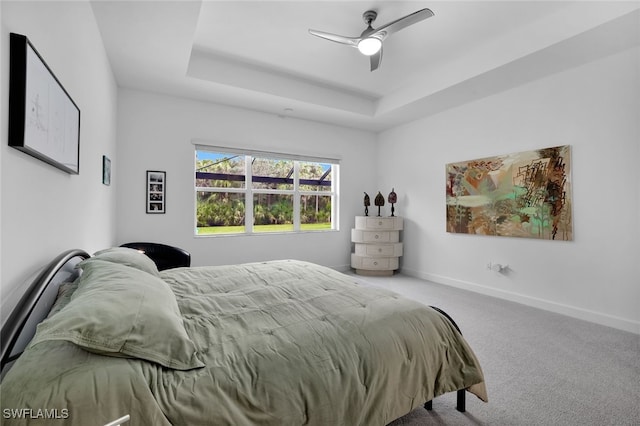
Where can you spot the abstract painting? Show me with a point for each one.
(525, 194)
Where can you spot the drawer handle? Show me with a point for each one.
(380, 223)
(377, 236)
(380, 250)
(375, 263)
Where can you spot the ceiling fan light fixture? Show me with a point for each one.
(370, 41)
(369, 46)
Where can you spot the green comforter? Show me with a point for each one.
(283, 343)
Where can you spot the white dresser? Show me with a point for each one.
(377, 244)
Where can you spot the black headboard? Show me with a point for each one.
(35, 304)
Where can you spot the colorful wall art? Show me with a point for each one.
(525, 194)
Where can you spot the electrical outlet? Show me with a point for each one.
(497, 267)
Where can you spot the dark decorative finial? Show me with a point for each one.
(367, 203)
(393, 198)
(379, 201)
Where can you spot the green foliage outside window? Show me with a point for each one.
(223, 211)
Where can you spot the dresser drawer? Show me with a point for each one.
(374, 263)
(379, 250)
(390, 223)
(361, 236)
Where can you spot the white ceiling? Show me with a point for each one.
(259, 54)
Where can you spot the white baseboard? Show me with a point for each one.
(342, 268)
(559, 308)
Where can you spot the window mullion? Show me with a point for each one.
(248, 197)
(296, 196)
(214, 189)
(334, 196)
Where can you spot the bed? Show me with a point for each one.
(269, 343)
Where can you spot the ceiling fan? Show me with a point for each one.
(370, 41)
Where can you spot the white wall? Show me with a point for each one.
(594, 108)
(45, 211)
(2, 128)
(155, 132)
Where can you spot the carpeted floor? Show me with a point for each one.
(541, 368)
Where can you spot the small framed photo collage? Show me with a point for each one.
(156, 191)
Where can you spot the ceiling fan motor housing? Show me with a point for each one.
(369, 16)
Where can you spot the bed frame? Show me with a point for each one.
(461, 402)
(35, 304)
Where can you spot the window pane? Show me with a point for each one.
(223, 192)
(272, 213)
(315, 212)
(220, 213)
(315, 176)
(272, 174)
(219, 170)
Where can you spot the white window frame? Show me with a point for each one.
(249, 191)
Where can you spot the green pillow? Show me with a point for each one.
(127, 256)
(65, 291)
(124, 312)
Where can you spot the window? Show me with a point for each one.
(257, 193)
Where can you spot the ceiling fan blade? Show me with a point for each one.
(376, 59)
(351, 41)
(395, 26)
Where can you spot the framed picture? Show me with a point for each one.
(156, 191)
(43, 119)
(523, 194)
(106, 170)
